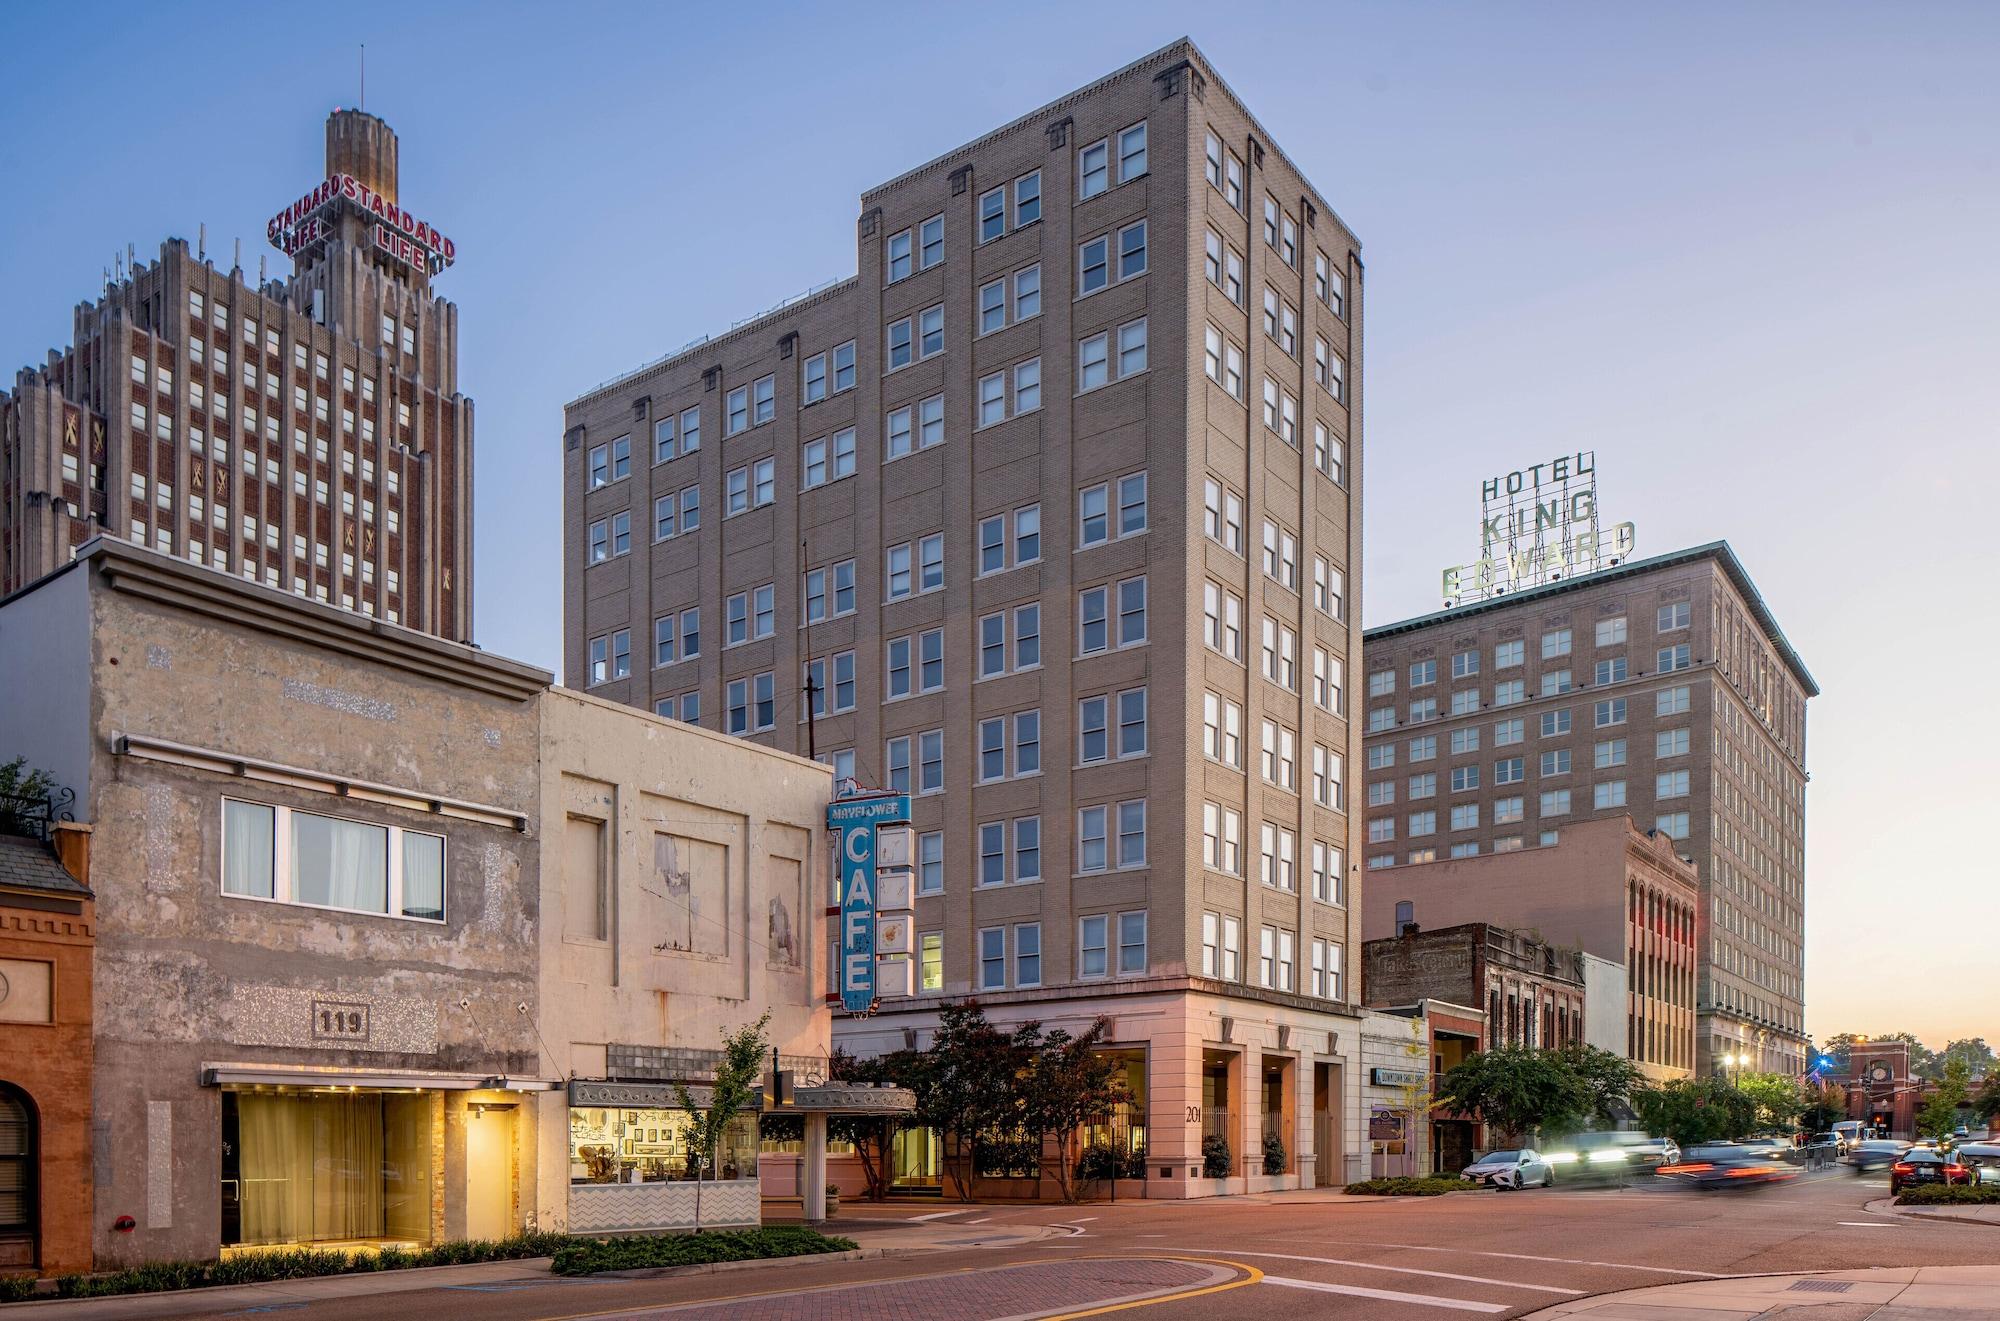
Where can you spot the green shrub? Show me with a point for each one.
(299, 1264)
(592, 1256)
(1939, 1194)
(1216, 1162)
(1274, 1154)
(13, 1288)
(1407, 1187)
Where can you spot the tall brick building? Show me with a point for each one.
(1662, 689)
(303, 433)
(1055, 508)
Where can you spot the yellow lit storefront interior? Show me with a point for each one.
(329, 1166)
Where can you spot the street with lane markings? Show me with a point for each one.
(1306, 1254)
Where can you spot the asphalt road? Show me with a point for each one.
(1299, 1255)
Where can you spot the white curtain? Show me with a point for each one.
(321, 1166)
(247, 840)
(423, 875)
(340, 863)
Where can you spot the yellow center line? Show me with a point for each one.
(1251, 1275)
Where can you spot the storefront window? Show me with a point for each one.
(312, 1167)
(609, 1145)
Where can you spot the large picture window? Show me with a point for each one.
(294, 857)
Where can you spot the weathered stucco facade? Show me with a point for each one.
(319, 726)
(683, 893)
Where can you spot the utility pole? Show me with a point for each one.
(811, 688)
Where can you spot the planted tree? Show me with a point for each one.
(1609, 1079)
(1696, 1110)
(1987, 1103)
(1776, 1096)
(736, 1085)
(1069, 1083)
(872, 1135)
(1940, 1113)
(1826, 1105)
(1517, 1091)
(967, 1084)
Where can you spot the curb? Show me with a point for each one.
(724, 1267)
(402, 1272)
(1887, 1207)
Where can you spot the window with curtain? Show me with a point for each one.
(330, 1167)
(299, 857)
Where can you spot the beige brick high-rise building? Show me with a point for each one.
(304, 433)
(1055, 506)
(1662, 689)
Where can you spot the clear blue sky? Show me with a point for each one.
(1744, 252)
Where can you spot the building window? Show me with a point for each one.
(831, 684)
(1610, 711)
(1671, 701)
(1223, 516)
(1608, 793)
(829, 591)
(752, 705)
(992, 958)
(1671, 743)
(1675, 615)
(1028, 954)
(1508, 654)
(1674, 658)
(1671, 784)
(296, 857)
(828, 459)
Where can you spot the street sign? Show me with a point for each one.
(853, 821)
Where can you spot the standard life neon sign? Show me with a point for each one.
(1536, 525)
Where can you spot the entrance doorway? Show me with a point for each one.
(489, 1170)
(18, 1194)
(1327, 1152)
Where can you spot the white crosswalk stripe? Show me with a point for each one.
(1400, 1270)
(1387, 1295)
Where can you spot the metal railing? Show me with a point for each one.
(33, 816)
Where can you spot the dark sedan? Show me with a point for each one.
(1918, 1167)
(1728, 1165)
(1874, 1153)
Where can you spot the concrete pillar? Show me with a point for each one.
(814, 1172)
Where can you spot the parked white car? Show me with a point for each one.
(1516, 1167)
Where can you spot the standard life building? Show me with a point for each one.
(1054, 506)
(1663, 690)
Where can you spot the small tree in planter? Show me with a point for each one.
(1274, 1154)
(736, 1083)
(1215, 1159)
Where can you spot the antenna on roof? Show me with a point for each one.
(364, 77)
(201, 241)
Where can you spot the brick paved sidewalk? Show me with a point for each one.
(1024, 1290)
(1901, 1293)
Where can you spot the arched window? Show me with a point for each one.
(17, 1178)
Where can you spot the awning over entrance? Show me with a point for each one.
(287, 1075)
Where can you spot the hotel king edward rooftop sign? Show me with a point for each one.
(1537, 525)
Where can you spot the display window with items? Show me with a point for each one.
(618, 1145)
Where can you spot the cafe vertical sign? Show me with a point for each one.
(853, 822)
(1539, 524)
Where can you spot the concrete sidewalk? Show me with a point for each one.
(878, 1240)
(1917, 1293)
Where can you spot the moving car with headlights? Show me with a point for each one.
(1515, 1167)
(1609, 1154)
(1874, 1153)
(1918, 1167)
(1728, 1165)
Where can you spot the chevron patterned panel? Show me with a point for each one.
(610, 1207)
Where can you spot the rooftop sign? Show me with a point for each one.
(1538, 524)
(394, 231)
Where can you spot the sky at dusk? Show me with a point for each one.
(1746, 254)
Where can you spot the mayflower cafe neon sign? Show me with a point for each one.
(1536, 525)
(395, 231)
